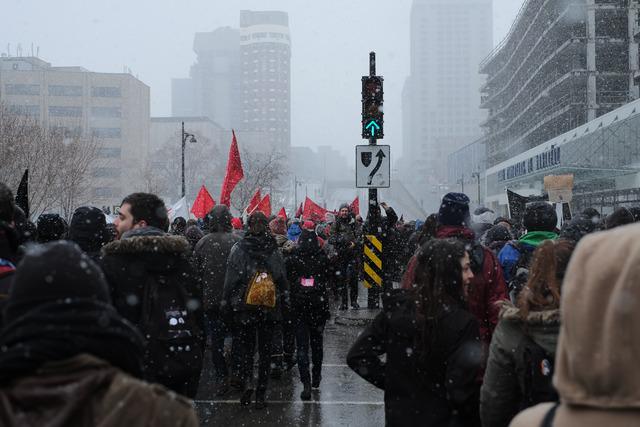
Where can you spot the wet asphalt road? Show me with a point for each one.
(344, 399)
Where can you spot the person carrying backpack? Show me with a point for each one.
(540, 221)
(523, 348)
(255, 293)
(308, 272)
(154, 286)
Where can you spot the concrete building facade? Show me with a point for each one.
(563, 63)
(112, 107)
(441, 99)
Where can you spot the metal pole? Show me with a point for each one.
(183, 144)
(478, 176)
(295, 193)
(373, 192)
(462, 184)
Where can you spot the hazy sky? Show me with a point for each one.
(331, 40)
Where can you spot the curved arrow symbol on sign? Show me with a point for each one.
(380, 156)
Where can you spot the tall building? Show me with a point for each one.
(112, 107)
(561, 65)
(213, 90)
(242, 80)
(441, 98)
(265, 51)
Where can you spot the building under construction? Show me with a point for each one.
(564, 63)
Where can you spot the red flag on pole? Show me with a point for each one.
(283, 214)
(234, 172)
(354, 207)
(299, 211)
(203, 203)
(264, 206)
(255, 201)
(314, 212)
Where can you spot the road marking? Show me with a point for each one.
(334, 365)
(286, 402)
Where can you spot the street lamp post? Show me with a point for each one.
(477, 176)
(192, 139)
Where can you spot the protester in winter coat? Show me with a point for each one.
(255, 264)
(481, 221)
(68, 358)
(487, 286)
(308, 273)
(9, 242)
(596, 368)
(621, 216)
(193, 234)
(540, 221)
(178, 226)
(431, 343)
(89, 230)
(577, 228)
(51, 227)
(497, 237)
(343, 239)
(283, 346)
(523, 347)
(210, 258)
(294, 232)
(154, 286)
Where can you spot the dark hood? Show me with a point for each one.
(308, 243)
(258, 247)
(220, 219)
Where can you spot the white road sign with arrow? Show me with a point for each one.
(373, 166)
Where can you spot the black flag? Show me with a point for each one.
(22, 195)
(517, 203)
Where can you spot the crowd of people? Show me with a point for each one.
(484, 319)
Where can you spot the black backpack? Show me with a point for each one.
(538, 373)
(519, 273)
(174, 337)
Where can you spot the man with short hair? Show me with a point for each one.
(139, 210)
(343, 238)
(154, 286)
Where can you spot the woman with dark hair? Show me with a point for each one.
(523, 347)
(431, 343)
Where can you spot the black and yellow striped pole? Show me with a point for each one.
(372, 259)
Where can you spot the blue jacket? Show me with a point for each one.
(294, 232)
(509, 255)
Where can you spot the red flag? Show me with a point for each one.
(234, 172)
(313, 211)
(264, 206)
(283, 214)
(203, 204)
(299, 211)
(255, 200)
(354, 207)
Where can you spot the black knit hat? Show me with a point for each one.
(454, 210)
(88, 224)
(55, 271)
(540, 216)
(51, 227)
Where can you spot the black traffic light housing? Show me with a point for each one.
(372, 107)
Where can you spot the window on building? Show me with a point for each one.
(62, 90)
(25, 110)
(22, 89)
(104, 192)
(56, 111)
(106, 92)
(65, 131)
(106, 112)
(106, 132)
(109, 152)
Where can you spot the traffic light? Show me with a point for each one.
(372, 112)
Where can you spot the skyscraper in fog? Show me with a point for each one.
(441, 97)
(265, 52)
(242, 80)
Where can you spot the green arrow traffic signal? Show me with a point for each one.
(374, 127)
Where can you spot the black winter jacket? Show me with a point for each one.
(249, 254)
(441, 391)
(210, 259)
(308, 260)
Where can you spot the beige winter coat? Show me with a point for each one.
(597, 370)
